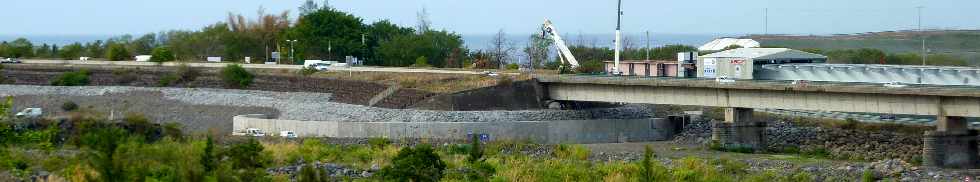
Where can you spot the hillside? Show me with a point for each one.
(963, 44)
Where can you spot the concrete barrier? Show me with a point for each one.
(571, 131)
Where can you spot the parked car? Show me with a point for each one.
(10, 60)
(895, 84)
(287, 134)
(725, 80)
(30, 113)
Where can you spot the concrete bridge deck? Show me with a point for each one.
(951, 145)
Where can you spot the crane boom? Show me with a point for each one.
(566, 54)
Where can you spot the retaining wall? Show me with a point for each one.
(571, 131)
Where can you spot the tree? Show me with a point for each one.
(423, 25)
(19, 48)
(95, 49)
(43, 51)
(208, 158)
(162, 54)
(328, 34)
(537, 50)
(117, 52)
(417, 164)
(500, 49)
(102, 144)
(143, 45)
(71, 51)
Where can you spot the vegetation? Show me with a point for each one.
(69, 106)
(956, 48)
(419, 163)
(74, 78)
(162, 54)
(117, 52)
(235, 75)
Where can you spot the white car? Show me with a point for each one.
(895, 85)
(30, 113)
(287, 134)
(725, 80)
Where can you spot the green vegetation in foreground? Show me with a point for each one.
(135, 149)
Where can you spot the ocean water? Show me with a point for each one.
(472, 41)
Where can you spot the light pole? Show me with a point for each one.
(922, 35)
(292, 51)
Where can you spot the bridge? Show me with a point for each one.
(952, 144)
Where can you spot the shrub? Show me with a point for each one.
(208, 158)
(418, 164)
(186, 73)
(75, 78)
(513, 66)
(162, 54)
(124, 75)
(590, 67)
(235, 75)
(167, 80)
(307, 71)
(421, 62)
(647, 175)
(69, 106)
(576, 152)
(174, 131)
(868, 176)
(117, 52)
(378, 143)
(476, 150)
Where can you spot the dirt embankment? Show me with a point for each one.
(344, 91)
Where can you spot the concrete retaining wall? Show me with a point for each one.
(573, 131)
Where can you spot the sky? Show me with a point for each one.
(729, 17)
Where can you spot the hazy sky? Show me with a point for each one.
(81, 17)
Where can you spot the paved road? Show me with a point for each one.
(252, 66)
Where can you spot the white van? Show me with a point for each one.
(287, 134)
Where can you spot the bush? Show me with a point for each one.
(75, 78)
(576, 152)
(418, 164)
(162, 54)
(236, 76)
(378, 143)
(421, 62)
(590, 67)
(307, 71)
(513, 66)
(476, 150)
(117, 52)
(167, 80)
(69, 106)
(124, 75)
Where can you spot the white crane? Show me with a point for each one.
(566, 55)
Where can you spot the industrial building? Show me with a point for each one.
(872, 73)
(743, 63)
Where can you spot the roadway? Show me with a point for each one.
(250, 66)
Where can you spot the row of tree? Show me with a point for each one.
(875, 56)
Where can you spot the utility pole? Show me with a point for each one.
(648, 45)
(619, 18)
(765, 21)
(922, 35)
(292, 51)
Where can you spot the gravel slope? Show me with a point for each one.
(288, 105)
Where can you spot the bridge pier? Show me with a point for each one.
(739, 130)
(952, 145)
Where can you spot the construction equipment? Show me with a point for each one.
(566, 54)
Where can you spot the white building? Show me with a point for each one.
(722, 43)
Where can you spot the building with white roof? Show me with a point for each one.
(722, 43)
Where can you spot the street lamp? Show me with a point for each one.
(292, 51)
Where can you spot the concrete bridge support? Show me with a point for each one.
(952, 145)
(739, 130)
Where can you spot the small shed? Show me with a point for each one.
(655, 68)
